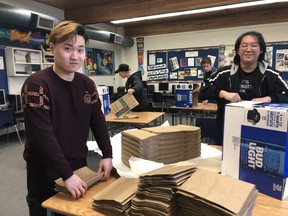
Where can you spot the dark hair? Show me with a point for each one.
(261, 42)
(67, 30)
(206, 60)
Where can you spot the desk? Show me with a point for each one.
(145, 119)
(65, 204)
(200, 109)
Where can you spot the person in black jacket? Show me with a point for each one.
(134, 86)
(248, 78)
(208, 69)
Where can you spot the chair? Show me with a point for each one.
(7, 120)
(209, 131)
(157, 101)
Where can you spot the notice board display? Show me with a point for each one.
(157, 65)
(186, 64)
(179, 64)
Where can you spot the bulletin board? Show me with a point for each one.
(277, 56)
(179, 64)
(157, 65)
(186, 64)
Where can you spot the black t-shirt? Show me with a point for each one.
(246, 84)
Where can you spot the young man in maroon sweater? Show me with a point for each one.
(60, 106)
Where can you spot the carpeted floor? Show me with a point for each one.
(12, 178)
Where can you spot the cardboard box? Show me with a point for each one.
(103, 92)
(255, 146)
(123, 105)
(183, 98)
(271, 185)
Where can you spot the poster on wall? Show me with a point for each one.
(99, 62)
(226, 55)
(22, 36)
(140, 52)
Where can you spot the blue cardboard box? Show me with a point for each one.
(106, 104)
(183, 98)
(255, 145)
(271, 185)
(103, 92)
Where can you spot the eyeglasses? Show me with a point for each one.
(253, 46)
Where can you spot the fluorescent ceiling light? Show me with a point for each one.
(202, 10)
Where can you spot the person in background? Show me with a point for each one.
(134, 86)
(208, 69)
(60, 106)
(248, 78)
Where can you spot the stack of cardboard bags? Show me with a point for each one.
(116, 199)
(163, 144)
(178, 189)
(207, 193)
(156, 193)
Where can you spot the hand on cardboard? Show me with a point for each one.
(262, 99)
(76, 186)
(230, 96)
(130, 91)
(105, 165)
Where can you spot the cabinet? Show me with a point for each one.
(23, 62)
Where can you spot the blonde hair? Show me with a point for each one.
(67, 30)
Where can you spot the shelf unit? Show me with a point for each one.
(23, 62)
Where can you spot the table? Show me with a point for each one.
(200, 110)
(144, 119)
(65, 204)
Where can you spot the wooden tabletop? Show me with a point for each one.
(199, 106)
(210, 107)
(142, 117)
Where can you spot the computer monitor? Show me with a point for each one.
(150, 89)
(144, 84)
(111, 90)
(163, 87)
(3, 103)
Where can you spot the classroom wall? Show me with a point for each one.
(271, 32)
